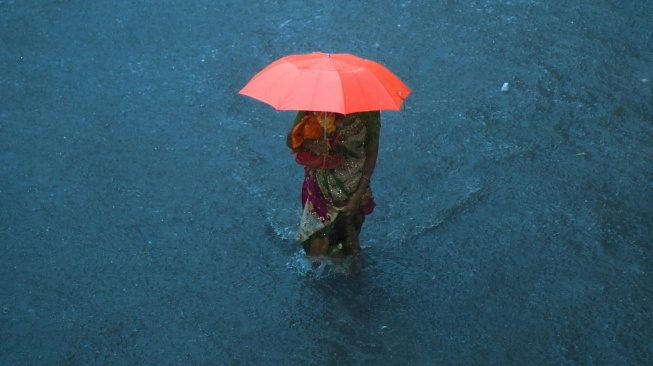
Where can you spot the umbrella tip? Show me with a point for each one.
(328, 55)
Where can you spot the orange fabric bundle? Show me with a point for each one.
(308, 129)
(311, 127)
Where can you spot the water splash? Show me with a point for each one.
(326, 266)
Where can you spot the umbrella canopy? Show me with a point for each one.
(317, 81)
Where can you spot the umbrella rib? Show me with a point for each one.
(342, 100)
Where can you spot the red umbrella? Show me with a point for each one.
(317, 81)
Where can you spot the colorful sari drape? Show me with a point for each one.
(326, 191)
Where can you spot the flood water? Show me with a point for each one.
(149, 214)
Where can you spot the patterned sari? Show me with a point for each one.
(326, 191)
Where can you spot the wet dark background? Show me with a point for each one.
(148, 213)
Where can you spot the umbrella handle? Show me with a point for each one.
(325, 154)
(326, 142)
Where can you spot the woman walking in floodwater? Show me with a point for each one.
(339, 153)
(345, 95)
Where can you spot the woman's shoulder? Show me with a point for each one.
(372, 118)
(369, 114)
(363, 116)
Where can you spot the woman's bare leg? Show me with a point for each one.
(351, 242)
(319, 246)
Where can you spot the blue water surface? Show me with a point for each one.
(148, 213)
